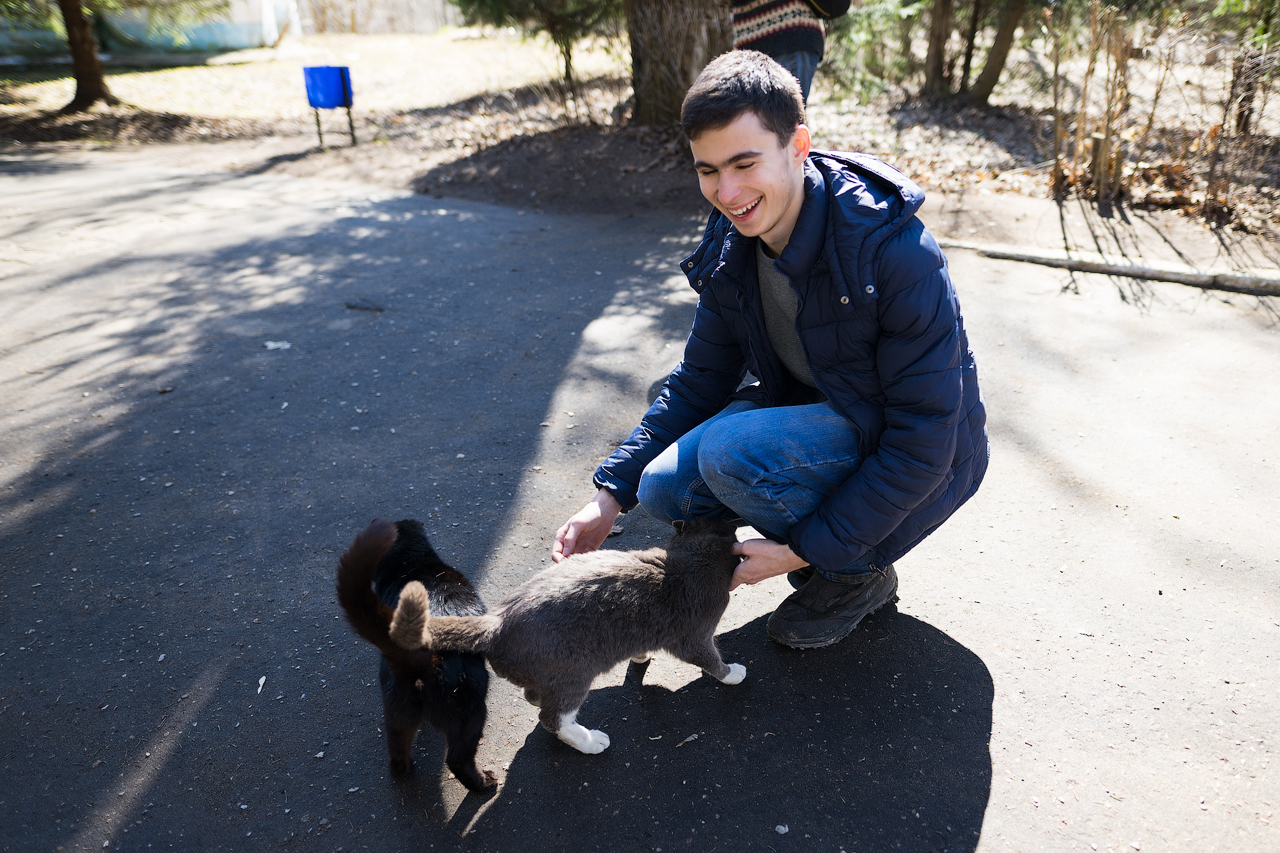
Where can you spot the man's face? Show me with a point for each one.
(751, 178)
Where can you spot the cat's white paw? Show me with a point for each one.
(590, 741)
(643, 657)
(737, 672)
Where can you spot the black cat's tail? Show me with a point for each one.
(369, 617)
(413, 627)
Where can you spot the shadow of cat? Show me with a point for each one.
(879, 742)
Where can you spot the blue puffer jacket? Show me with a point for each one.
(881, 328)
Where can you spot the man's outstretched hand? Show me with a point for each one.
(588, 528)
(764, 559)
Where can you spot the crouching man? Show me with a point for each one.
(827, 395)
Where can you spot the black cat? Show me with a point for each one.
(448, 689)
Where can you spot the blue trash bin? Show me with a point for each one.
(329, 87)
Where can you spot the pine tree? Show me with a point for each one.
(565, 21)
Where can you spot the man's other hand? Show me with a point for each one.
(588, 528)
(764, 559)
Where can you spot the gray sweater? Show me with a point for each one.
(780, 305)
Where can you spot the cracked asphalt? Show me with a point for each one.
(212, 379)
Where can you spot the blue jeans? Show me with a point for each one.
(771, 467)
(801, 64)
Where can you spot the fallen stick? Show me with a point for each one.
(1251, 282)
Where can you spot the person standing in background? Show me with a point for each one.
(788, 31)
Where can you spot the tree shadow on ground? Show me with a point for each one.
(578, 169)
(22, 166)
(881, 742)
(182, 483)
(1019, 131)
(515, 100)
(14, 78)
(125, 124)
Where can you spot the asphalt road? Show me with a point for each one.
(213, 380)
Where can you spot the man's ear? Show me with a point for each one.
(801, 144)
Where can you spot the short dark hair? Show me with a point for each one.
(737, 82)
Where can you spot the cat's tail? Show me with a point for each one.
(413, 627)
(369, 617)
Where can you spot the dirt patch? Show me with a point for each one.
(528, 147)
(125, 125)
(533, 146)
(585, 169)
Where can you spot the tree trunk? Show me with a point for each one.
(671, 41)
(1240, 95)
(935, 63)
(991, 70)
(91, 84)
(1082, 115)
(1252, 65)
(1249, 68)
(969, 40)
(566, 55)
(1055, 33)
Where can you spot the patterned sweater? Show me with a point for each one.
(776, 27)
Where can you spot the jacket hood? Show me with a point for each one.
(881, 182)
(872, 201)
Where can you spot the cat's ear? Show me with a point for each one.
(678, 524)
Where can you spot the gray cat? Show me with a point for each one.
(556, 632)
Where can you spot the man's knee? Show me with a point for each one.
(722, 460)
(655, 493)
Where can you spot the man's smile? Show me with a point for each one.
(754, 179)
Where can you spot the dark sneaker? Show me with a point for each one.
(800, 577)
(823, 612)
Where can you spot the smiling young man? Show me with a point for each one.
(827, 395)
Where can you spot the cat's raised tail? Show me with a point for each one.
(412, 626)
(369, 617)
